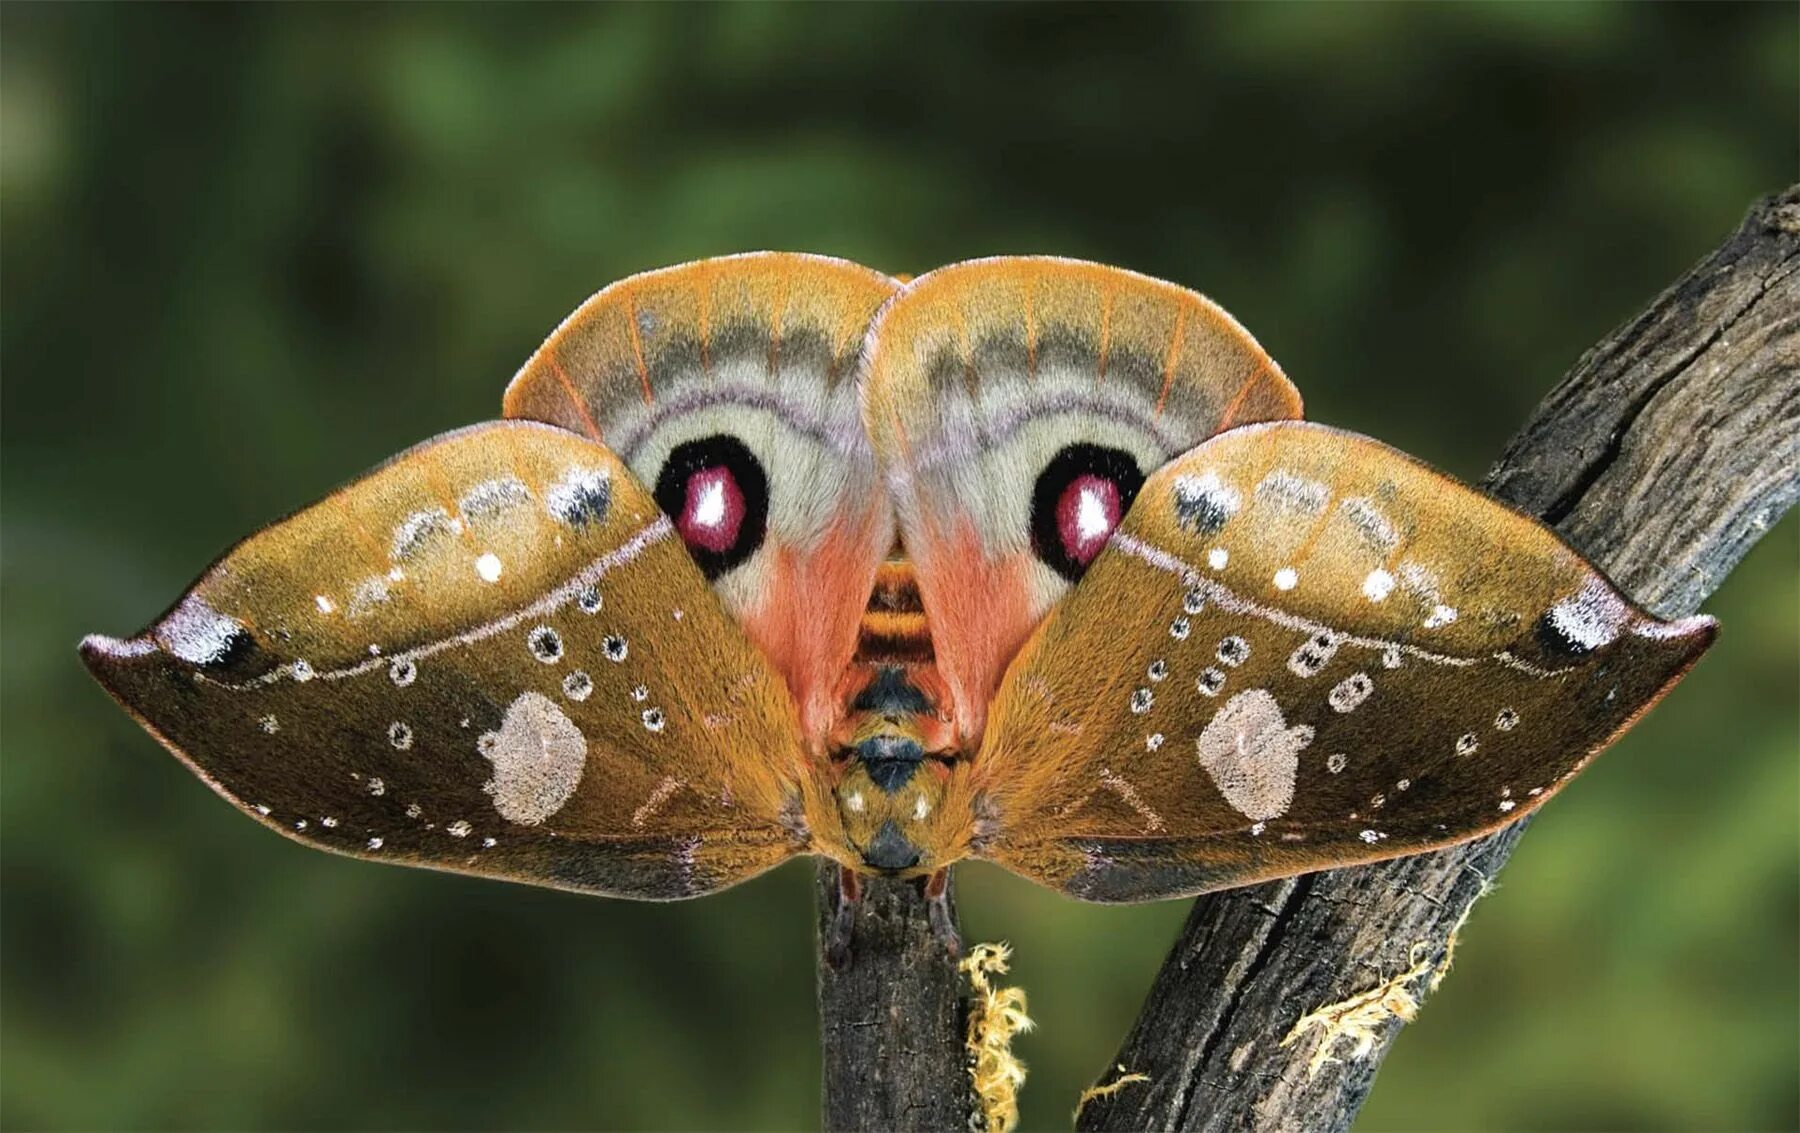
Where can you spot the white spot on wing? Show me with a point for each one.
(488, 566)
(1378, 585)
(1592, 617)
(197, 633)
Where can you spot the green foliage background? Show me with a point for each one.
(250, 251)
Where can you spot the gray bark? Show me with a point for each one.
(1665, 454)
(892, 1019)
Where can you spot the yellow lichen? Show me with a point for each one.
(996, 1014)
(1124, 1079)
(1360, 1017)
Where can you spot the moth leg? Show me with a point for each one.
(843, 918)
(937, 905)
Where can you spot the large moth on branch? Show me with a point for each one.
(1026, 559)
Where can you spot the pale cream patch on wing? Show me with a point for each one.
(1252, 755)
(538, 756)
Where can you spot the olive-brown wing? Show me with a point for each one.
(490, 655)
(1302, 650)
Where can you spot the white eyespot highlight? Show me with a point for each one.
(458, 829)
(1391, 658)
(377, 787)
(1210, 681)
(854, 801)
(615, 648)
(328, 822)
(1158, 670)
(1179, 629)
(262, 809)
(1506, 719)
(1153, 741)
(641, 693)
(1371, 836)
(1252, 755)
(488, 566)
(538, 756)
(400, 735)
(402, 672)
(654, 719)
(589, 600)
(1378, 585)
(921, 808)
(269, 724)
(1217, 558)
(1287, 578)
(1440, 616)
(1467, 744)
(1348, 694)
(375, 843)
(1507, 804)
(301, 671)
(488, 843)
(324, 603)
(1193, 601)
(1141, 700)
(1336, 762)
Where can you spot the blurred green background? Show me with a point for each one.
(250, 251)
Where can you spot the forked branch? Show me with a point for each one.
(1670, 448)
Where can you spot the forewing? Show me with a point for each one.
(992, 388)
(741, 369)
(490, 655)
(1302, 650)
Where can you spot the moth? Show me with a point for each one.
(1025, 559)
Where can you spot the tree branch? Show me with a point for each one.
(892, 1019)
(1671, 447)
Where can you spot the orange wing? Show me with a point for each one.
(1304, 650)
(728, 386)
(1018, 404)
(491, 656)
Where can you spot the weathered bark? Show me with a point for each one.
(891, 1019)
(1670, 448)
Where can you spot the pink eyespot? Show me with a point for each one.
(1087, 513)
(714, 511)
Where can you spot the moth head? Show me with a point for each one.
(888, 795)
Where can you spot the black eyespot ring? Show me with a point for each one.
(1048, 541)
(745, 473)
